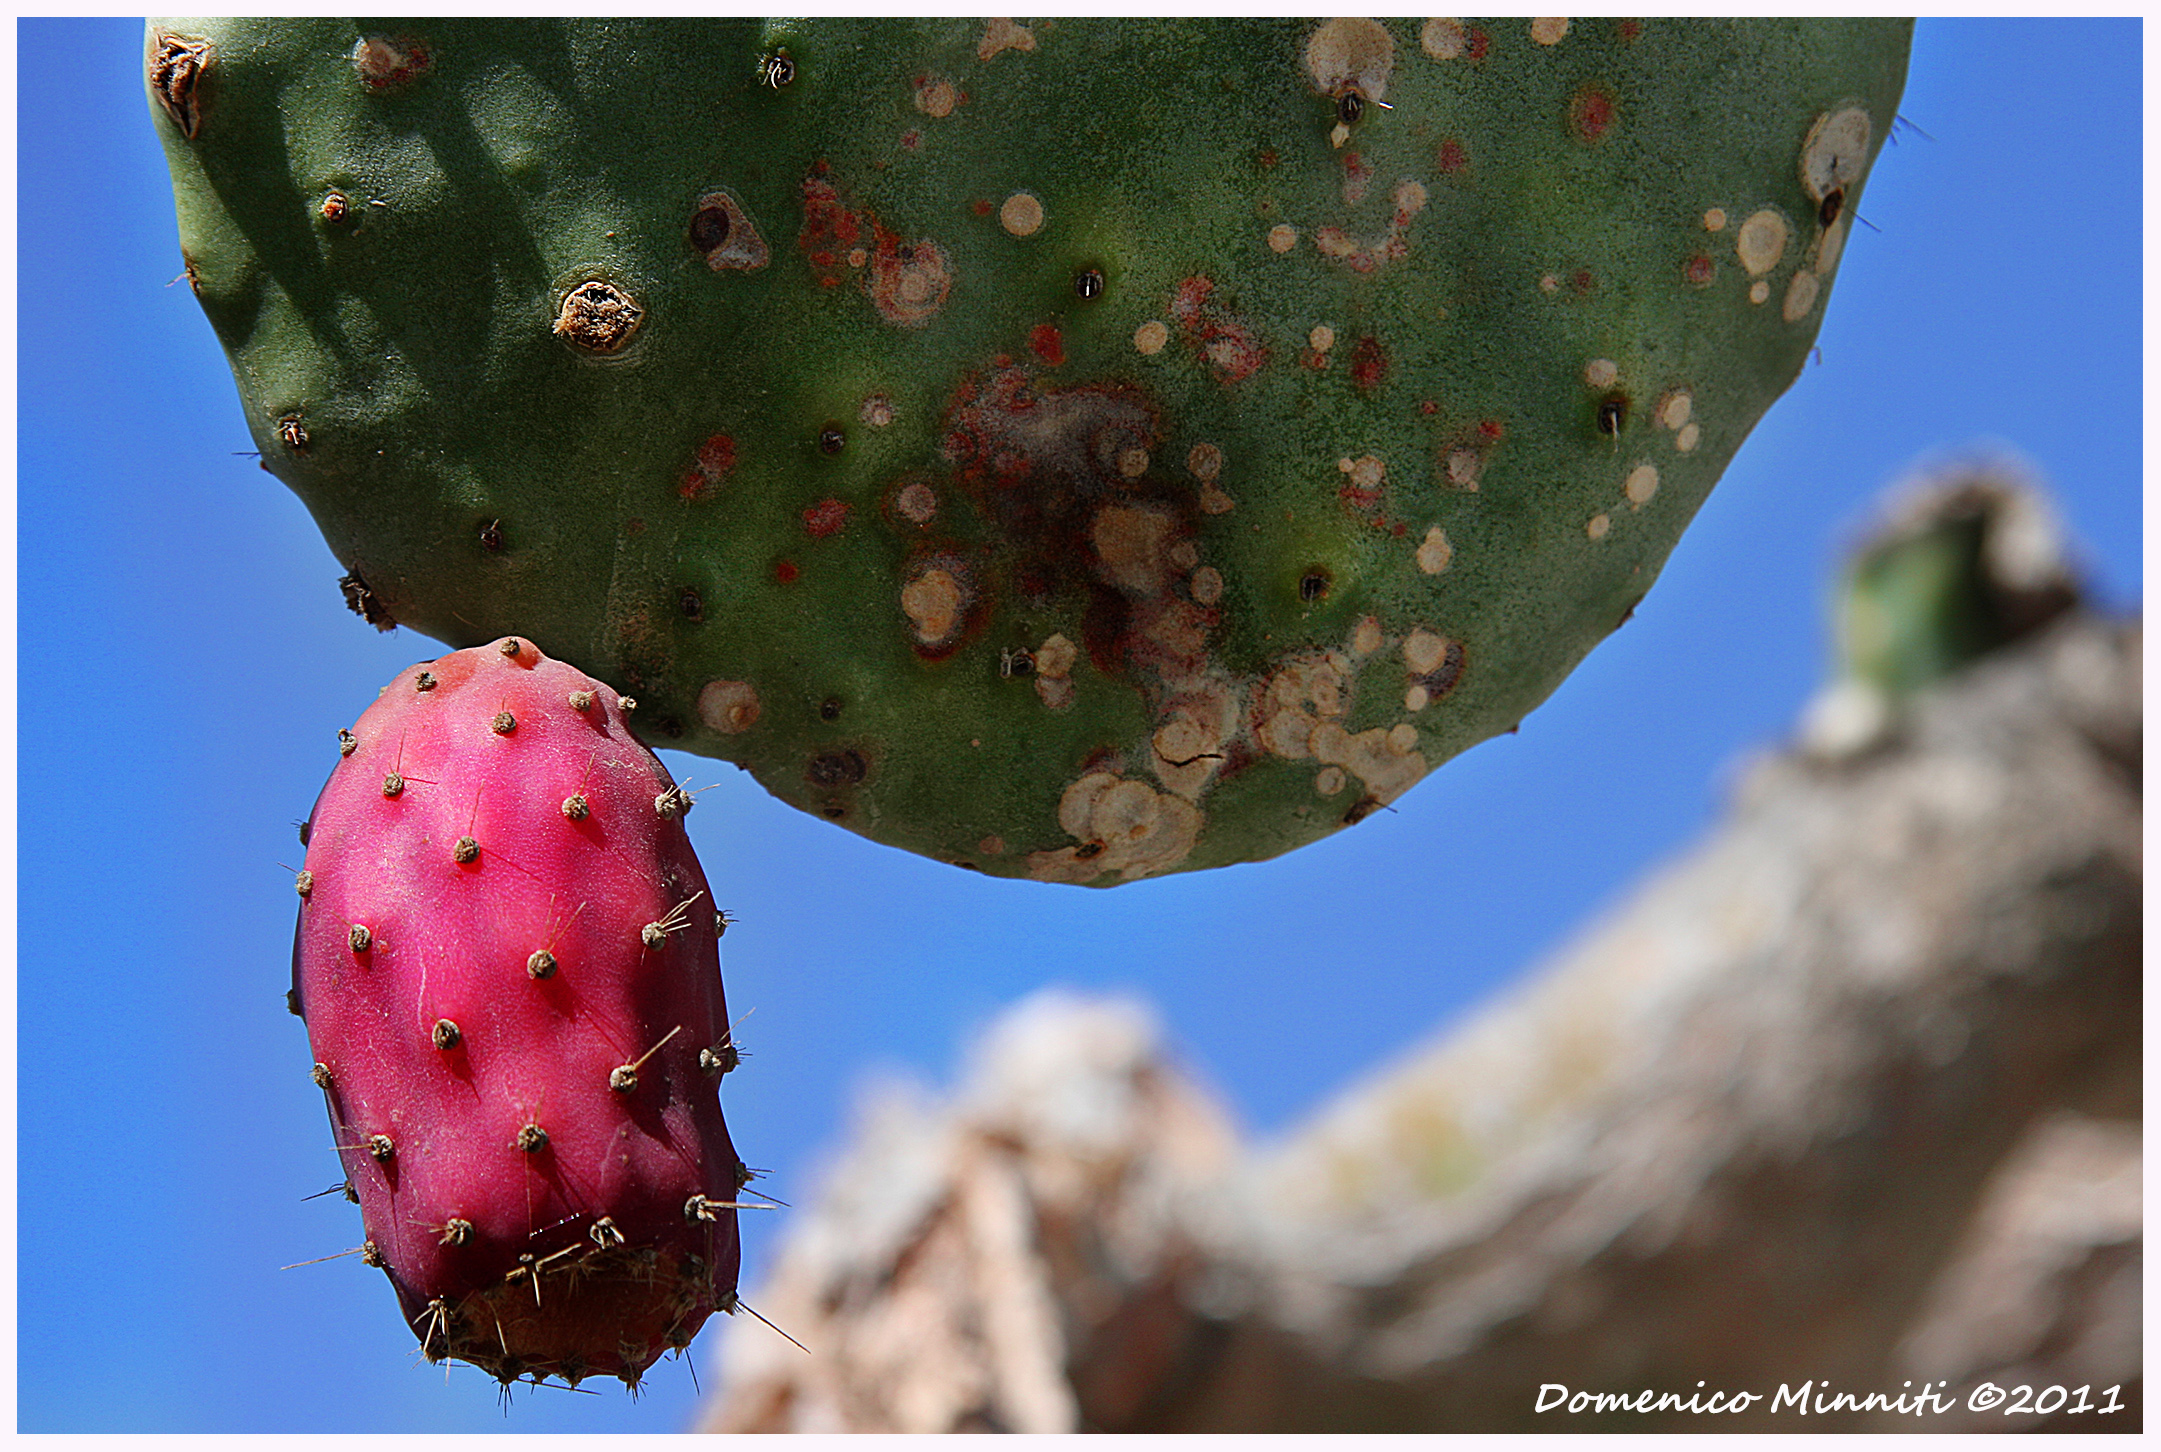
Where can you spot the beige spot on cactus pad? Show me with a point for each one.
(1464, 467)
(1329, 780)
(1132, 463)
(1366, 636)
(917, 503)
(1759, 292)
(936, 97)
(1322, 338)
(1434, 551)
(991, 846)
(1402, 738)
(1835, 151)
(1350, 55)
(1366, 472)
(1761, 242)
(1124, 827)
(1800, 297)
(935, 599)
(729, 707)
(1207, 585)
(1187, 753)
(1417, 697)
(1441, 39)
(1674, 409)
(1205, 462)
(1548, 31)
(1424, 651)
(1685, 440)
(1372, 757)
(1597, 526)
(1021, 215)
(1150, 337)
(1714, 220)
(909, 283)
(1054, 660)
(1601, 373)
(1445, 676)
(1184, 555)
(1641, 485)
(1282, 237)
(1297, 699)
(1829, 246)
(1003, 35)
(1183, 737)
(877, 411)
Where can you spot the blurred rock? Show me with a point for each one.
(1012, 1261)
(2044, 1290)
(1847, 1096)
(1735, 1134)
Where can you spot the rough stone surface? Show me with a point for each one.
(2044, 1289)
(1849, 1092)
(1012, 1260)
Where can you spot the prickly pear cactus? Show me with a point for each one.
(508, 963)
(1074, 449)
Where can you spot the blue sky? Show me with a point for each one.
(185, 661)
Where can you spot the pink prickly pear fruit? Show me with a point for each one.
(508, 962)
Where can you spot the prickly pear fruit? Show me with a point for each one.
(507, 959)
(1076, 450)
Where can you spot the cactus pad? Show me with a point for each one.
(1075, 449)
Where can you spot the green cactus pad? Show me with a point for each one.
(1074, 449)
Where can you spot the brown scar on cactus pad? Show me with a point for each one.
(1003, 35)
(521, 1124)
(723, 234)
(177, 68)
(383, 62)
(1028, 444)
(598, 317)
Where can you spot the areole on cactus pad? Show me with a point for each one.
(1077, 449)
